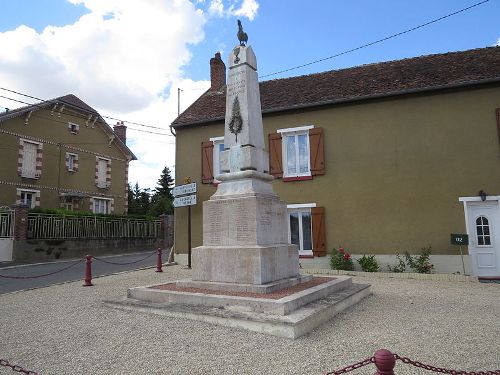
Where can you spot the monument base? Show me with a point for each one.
(245, 264)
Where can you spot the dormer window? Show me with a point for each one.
(73, 128)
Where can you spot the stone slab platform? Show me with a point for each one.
(281, 306)
(293, 325)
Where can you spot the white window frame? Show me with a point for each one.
(302, 207)
(71, 161)
(34, 193)
(216, 155)
(101, 199)
(73, 128)
(287, 132)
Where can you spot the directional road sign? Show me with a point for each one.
(186, 200)
(184, 189)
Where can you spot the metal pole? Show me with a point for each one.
(189, 236)
(462, 256)
(88, 271)
(178, 101)
(158, 260)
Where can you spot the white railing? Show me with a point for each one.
(56, 226)
(6, 223)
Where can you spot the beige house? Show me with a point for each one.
(62, 154)
(381, 159)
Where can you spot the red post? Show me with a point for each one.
(158, 261)
(88, 271)
(385, 362)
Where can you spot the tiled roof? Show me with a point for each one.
(362, 82)
(69, 101)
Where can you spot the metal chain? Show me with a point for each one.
(17, 368)
(46, 274)
(124, 264)
(443, 370)
(352, 367)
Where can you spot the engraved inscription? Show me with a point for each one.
(241, 222)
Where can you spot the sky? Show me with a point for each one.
(128, 58)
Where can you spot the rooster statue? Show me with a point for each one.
(242, 36)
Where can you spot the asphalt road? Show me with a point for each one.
(70, 271)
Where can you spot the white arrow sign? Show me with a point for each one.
(184, 189)
(187, 200)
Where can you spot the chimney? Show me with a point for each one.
(217, 72)
(120, 131)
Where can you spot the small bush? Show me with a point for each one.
(420, 263)
(400, 266)
(368, 263)
(341, 260)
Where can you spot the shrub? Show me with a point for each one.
(341, 260)
(399, 267)
(420, 263)
(368, 263)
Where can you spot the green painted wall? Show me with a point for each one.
(394, 169)
(45, 127)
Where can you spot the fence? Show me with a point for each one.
(6, 223)
(47, 226)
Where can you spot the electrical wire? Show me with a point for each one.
(76, 106)
(377, 41)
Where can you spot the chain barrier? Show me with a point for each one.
(352, 367)
(17, 368)
(124, 264)
(45, 274)
(443, 370)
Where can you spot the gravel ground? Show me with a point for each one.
(65, 329)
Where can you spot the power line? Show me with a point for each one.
(63, 122)
(377, 41)
(81, 108)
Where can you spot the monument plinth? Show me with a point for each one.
(246, 274)
(245, 234)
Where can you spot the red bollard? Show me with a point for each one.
(158, 261)
(385, 362)
(88, 271)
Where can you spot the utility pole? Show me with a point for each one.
(178, 101)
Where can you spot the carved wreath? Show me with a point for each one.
(236, 122)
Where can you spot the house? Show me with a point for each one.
(381, 158)
(62, 154)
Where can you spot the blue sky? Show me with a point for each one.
(126, 58)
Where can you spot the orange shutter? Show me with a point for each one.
(317, 151)
(207, 162)
(318, 228)
(275, 159)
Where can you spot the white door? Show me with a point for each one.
(484, 237)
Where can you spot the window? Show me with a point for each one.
(103, 173)
(30, 159)
(306, 229)
(483, 231)
(296, 153)
(102, 206)
(71, 162)
(73, 128)
(29, 197)
(218, 148)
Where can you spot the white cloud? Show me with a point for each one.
(247, 8)
(498, 42)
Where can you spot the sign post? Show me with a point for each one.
(460, 239)
(185, 195)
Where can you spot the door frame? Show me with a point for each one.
(478, 202)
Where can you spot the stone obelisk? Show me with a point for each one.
(245, 233)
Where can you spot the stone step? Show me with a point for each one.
(296, 324)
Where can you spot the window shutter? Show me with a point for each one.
(318, 228)
(317, 151)
(207, 162)
(275, 157)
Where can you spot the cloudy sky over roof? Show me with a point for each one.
(127, 58)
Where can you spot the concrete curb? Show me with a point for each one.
(393, 275)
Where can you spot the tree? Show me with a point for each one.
(165, 184)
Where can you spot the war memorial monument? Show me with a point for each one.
(246, 274)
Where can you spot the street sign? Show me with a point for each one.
(184, 189)
(459, 239)
(186, 200)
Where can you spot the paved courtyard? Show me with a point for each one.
(65, 329)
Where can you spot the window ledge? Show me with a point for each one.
(306, 256)
(297, 178)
